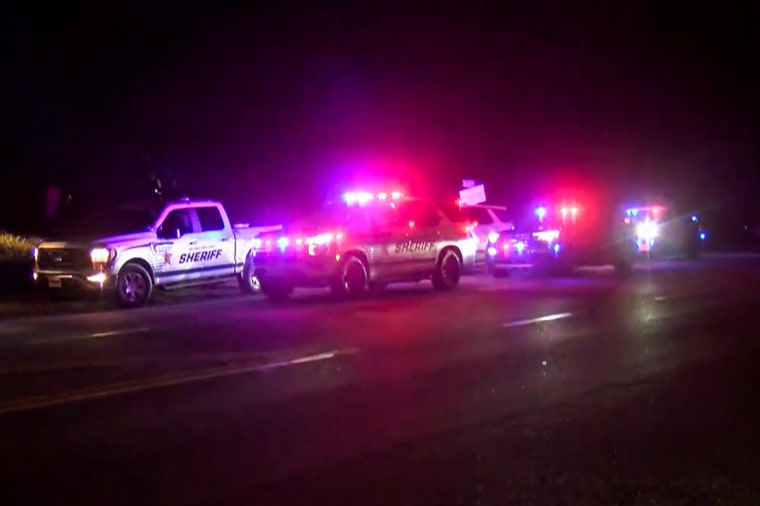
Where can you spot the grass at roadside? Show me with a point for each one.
(15, 247)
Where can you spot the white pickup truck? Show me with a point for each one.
(130, 250)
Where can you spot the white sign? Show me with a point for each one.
(468, 183)
(473, 196)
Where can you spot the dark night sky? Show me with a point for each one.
(249, 103)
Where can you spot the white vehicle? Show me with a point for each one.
(487, 223)
(366, 241)
(131, 250)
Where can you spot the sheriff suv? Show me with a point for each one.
(365, 241)
(130, 250)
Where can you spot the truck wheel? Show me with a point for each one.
(351, 278)
(247, 281)
(276, 290)
(133, 286)
(448, 270)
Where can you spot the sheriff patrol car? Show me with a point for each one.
(366, 241)
(134, 249)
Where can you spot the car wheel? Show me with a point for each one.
(351, 278)
(133, 286)
(448, 270)
(247, 281)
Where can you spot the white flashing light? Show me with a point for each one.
(520, 246)
(564, 212)
(493, 237)
(492, 251)
(574, 211)
(382, 196)
(647, 230)
(282, 242)
(396, 195)
(541, 212)
(357, 197)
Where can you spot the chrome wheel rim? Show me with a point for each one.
(133, 287)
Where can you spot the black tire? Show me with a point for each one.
(133, 286)
(351, 278)
(247, 282)
(276, 290)
(448, 270)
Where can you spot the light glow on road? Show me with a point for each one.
(540, 319)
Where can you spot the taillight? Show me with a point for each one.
(321, 243)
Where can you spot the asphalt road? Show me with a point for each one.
(584, 390)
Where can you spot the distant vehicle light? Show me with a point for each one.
(493, 237)
(547, 235)
(647, 230)
(360, 198)
(492, 251)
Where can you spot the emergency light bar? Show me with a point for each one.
(362, 197)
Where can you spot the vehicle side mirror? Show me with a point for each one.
(166, 233)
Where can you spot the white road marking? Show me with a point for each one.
(540, 319)
(103, 391)
(110, 333)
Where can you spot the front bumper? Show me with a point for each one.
(94, 280)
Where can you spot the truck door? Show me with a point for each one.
(176, 242)
(215, 248)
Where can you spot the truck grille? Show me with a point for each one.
(69, 259)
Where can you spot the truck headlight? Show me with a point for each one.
(100, 255)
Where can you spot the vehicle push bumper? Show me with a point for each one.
(94, 280)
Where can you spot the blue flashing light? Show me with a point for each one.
(702, 236)
(520, 246)
(694, 217)
(556, 248)
(541, 212)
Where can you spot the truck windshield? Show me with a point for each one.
(95, 223)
